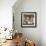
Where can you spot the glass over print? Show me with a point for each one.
(28, 19)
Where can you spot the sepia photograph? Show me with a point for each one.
(28, 19)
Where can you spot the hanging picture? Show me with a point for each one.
(28, 19)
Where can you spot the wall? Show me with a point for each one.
(29, 33)
(6, 13)
(6, 16)
(43, 22)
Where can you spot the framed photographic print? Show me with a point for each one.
(28, 19)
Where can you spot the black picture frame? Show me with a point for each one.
(28, 19)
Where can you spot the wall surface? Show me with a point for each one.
(6, 16)
(6, 13)
(43, 22)
(29, 33)
(37, 34)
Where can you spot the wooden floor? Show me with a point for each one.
(9, 43)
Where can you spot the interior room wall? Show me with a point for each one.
(43, 22)
(6, 13)
(38, 34)
(29, 33)
(6, 16)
